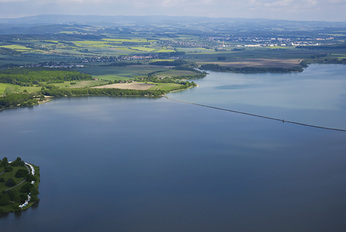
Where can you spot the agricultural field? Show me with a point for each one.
(112, 73)
(18, 48)
(165, 55)
(167, 87)
(4, 86)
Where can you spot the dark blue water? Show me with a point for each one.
(137, 164)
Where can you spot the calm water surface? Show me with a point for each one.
(316, 96)
(136, 164)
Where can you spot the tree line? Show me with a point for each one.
(56, 92)
(30, 76)
(218, 68)
(17, 99)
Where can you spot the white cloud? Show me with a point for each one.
(12, 1)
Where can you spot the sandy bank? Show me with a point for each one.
(136, 86)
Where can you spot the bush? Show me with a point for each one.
(17, 162)
(4, 199)
(23, 198)
(35, 191)
(21, 173)
(8, 169)
(30, 178)
(26, 188)
(10, 183)
(34, 198)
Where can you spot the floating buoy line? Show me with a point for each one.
(258, 115)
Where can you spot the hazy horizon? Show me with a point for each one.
(303, 10)
(240, 18)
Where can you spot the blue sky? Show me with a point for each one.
(325, 10)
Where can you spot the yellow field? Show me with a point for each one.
(90, 43)
(18, 48)
(165, 50)
(126, 40)
(143, 49)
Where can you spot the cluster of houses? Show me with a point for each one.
(249, 41)
(61, 65)
(110, 59)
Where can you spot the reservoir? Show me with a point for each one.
(142, 164)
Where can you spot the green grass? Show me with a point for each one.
(126, 40)
(196, 50)
(30, 89)
(18, 48)
(174, 73)
(88, 43)
(79, 84)
(164, 86)
(8, 175)
(112, 78)
(143, 49)
(156, 60)
(120, 73)
(4, 86)
(165, 50)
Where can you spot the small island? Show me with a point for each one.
(19, 183)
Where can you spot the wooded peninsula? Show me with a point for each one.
(19, 182)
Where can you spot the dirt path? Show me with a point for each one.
(136, 86)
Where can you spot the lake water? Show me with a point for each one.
(138, 164)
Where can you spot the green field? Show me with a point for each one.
(79, 84)
(9, 87)
(19, 48)
(165, 86)
(173, 73)
(120, 73)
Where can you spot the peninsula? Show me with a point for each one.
(19, 183)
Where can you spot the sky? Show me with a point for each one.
(308, 10)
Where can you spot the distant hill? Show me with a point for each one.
(42, 24)
(111, 20)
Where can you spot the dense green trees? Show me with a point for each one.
(29, 76)
(322, 60)
(30, 178)
(4, 199)
(26, 188)
(18, 162)
(218, 68)
(170, 63)
(4, 162)
(21, 173)
(17, 99)
(55, 92)
(10, 182)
